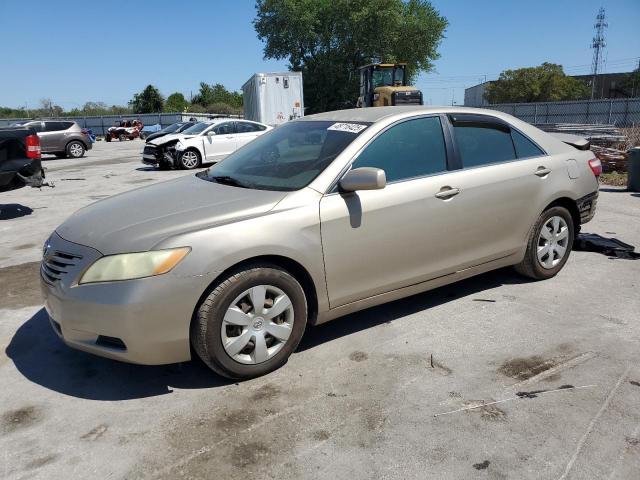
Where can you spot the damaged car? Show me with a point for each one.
(204, 142)
(20, 158)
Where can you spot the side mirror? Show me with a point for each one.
(364, 178)
(210, 133)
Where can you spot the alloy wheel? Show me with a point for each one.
(76, 150)
(257, 324)
(552, 242)
(190, 159)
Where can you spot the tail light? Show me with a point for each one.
(596, 166)
(33, 146)
(85, 132)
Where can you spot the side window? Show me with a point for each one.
(483, 144)
(410, 149)
(55, 126)
(246, 127)
(37, 126)
(525, 148)
(224, 129)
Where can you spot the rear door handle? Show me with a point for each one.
(543, 171)
(447, 192)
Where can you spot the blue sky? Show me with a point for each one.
(73, 52)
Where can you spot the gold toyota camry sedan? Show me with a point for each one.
(320, 217)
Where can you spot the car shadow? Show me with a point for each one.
(41, 357)
(10, 211)
(391, 311)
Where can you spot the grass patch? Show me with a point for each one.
(614, 178)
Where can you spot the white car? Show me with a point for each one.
(204, 142)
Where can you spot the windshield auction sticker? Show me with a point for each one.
(347, 127)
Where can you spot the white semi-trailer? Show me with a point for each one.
(273, 98)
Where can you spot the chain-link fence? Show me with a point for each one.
(100, 124)
(621, 112)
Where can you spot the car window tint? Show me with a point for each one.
(245, 127)
(56, 126)
(481, 145)
(37, 126)
(223, 128)
(525, 148)
(410, 149)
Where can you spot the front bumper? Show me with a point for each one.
(144, 321)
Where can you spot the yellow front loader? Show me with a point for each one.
(385, 84)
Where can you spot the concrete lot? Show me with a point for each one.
(362, 396)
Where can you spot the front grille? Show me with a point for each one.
(56, 265)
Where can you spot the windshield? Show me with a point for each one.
(172, 128)
(286, 158)
(385, 76)
(197, 128)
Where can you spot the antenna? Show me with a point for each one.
(598, 45)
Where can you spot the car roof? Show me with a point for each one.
(375, 114)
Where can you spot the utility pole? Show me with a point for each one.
(598, 45)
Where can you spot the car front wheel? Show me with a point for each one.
(75, 149)
(189, 159)
(251, 322)
(549, 244)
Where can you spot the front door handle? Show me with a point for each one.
(543, 171)
(447, 192)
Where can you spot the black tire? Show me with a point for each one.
(181, 164)
(530, 265)
(142, 136)
(75, 149)
(122, 137)
(107, 138)
(206, 336)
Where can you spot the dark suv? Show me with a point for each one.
(63, 138)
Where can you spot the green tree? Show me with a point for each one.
(175, 103)
(327, 40)
(545, 83)
(217, 94)
(148, 101)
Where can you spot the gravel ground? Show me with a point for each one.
(401, 391)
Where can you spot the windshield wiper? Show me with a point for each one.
(227, 180)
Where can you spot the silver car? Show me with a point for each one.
(63, 138)
(316, 219)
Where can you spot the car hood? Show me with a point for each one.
(169, 138)
(138, 220)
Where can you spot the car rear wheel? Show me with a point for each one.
(549, 244)
(75, 149)
(189, 159)
(250, 323)
(122, 137)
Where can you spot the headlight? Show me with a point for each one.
(128, 266)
